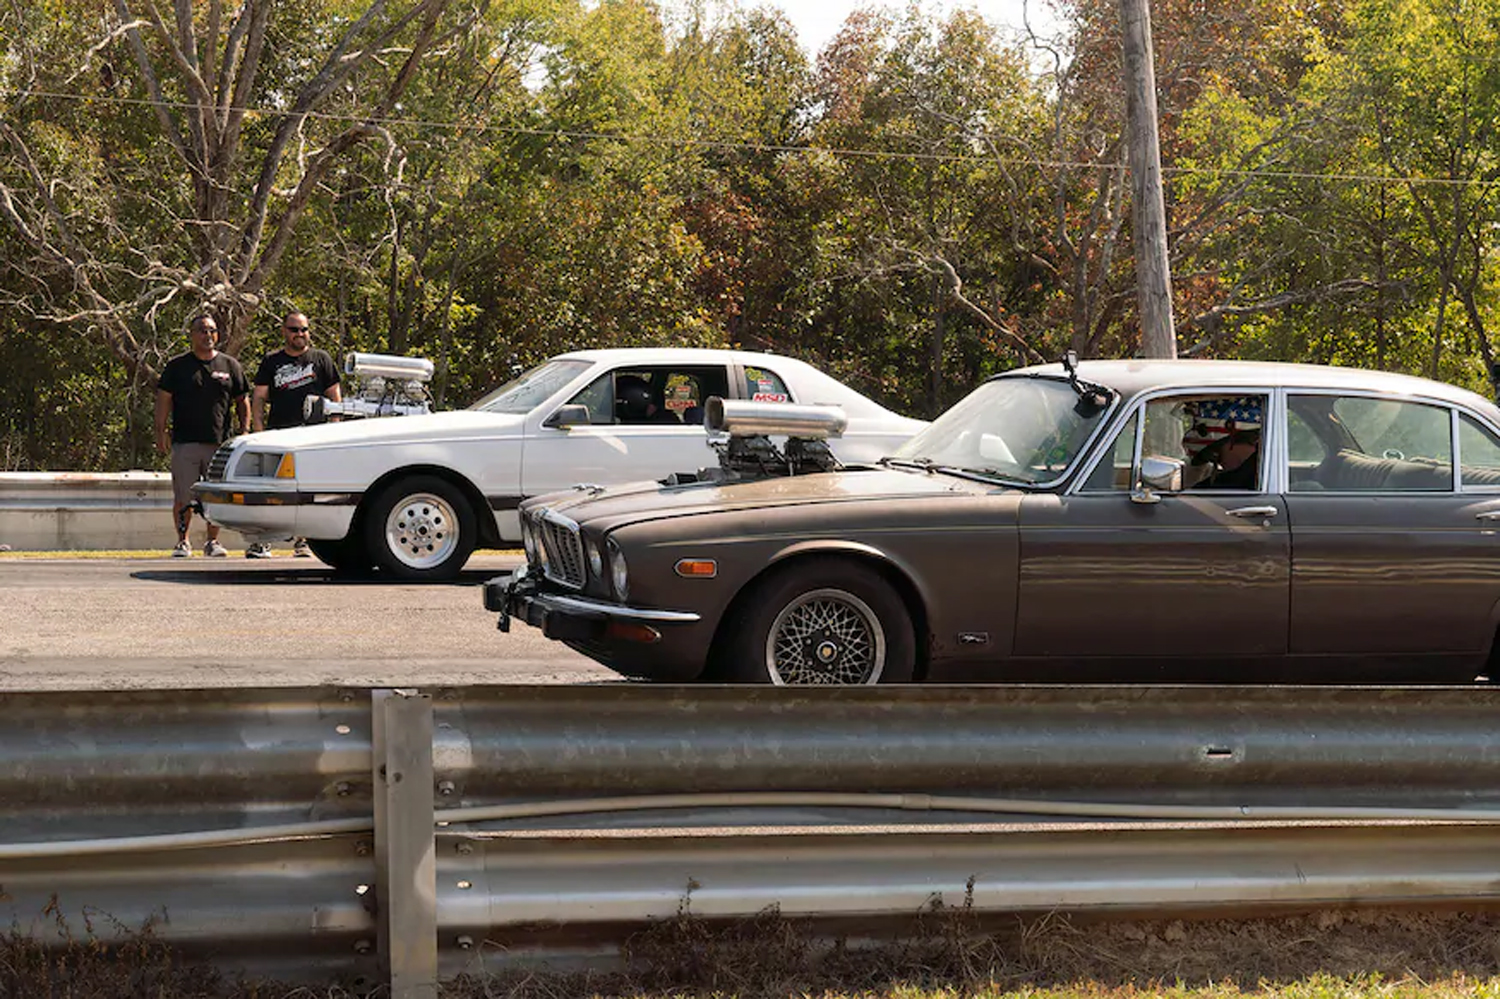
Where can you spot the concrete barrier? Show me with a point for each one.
(88, 511)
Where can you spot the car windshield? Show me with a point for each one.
(525, 392)
(1017, 429)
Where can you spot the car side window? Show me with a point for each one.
(1305, 451)
(599, 397)
(1112, 474)
(762, 385)
(659, 396)
(1480, 454)
(1216, 437)
(1391, 445)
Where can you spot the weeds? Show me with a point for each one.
(951, 952)
(944, 952)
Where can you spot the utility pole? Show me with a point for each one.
(1153, 274)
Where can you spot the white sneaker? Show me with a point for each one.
(182, 550)
(258, 550)
(213, 549)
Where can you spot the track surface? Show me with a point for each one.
(117, 624)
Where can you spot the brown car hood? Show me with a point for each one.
(639, 501)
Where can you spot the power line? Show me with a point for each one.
(674, 142)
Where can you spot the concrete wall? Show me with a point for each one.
(85, 511)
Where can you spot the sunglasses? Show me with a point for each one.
(295, 329)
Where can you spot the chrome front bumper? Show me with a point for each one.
(564, 616)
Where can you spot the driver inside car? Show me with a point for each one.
(1232, 431)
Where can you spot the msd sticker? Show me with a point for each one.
(769, 397)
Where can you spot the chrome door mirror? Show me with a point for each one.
(1156, 476)
(568, 416)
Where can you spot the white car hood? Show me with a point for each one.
(456, 424)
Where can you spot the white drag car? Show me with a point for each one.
(413, 496)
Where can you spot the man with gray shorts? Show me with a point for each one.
(206, 394)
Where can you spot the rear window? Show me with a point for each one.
(763, 385)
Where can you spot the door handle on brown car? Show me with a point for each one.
(1488, 515)
(1252, 511)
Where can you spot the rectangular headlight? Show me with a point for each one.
(264, 465)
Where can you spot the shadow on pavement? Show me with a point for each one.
(311, 575)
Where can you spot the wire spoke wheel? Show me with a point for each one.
(422, 530)
(826, 636)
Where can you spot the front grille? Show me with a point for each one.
(563, 543)
(218, 465)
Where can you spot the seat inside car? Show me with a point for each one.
(1354, 471)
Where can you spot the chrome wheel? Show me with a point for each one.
(422, 531)
(826, 636)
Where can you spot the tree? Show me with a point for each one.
(197, 139)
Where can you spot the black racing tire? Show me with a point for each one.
(345, 555)
(826, 621)
(420, 528)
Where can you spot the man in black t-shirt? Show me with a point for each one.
(288, 376)
(204, 393)
(285, 379)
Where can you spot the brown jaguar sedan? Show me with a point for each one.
(1125, 521)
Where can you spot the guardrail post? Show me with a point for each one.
(405, 848)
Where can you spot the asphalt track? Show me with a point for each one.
(132, 623)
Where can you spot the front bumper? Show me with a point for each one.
(636, 641)
(275, 511)
(567, 617)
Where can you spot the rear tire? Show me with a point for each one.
(829, 622)
(420, 528)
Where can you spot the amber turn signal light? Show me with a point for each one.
(697, 568)
(627, 631)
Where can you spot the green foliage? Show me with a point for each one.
(914, 210)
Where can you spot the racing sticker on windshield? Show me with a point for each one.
(769, 397)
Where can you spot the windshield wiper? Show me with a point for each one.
(958, 471)
(916, 464)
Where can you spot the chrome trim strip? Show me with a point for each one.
(591, 606)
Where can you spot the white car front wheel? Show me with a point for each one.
(421, 528)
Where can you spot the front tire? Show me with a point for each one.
(825, 622)
(420, 528)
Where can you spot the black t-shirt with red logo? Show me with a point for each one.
(291, 380)
(202, 396)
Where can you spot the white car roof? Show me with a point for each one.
(809, 382)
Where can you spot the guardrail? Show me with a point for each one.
(83, 511)
(403, 836)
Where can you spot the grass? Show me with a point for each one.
(1356, 954)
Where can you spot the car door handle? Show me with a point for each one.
(1488, 515)
(1252, 511)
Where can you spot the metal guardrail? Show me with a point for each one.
(398, 836)
(83, 511)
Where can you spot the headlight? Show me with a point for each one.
(596, 561)
(619, 574)
(265, 465)
(529, 541)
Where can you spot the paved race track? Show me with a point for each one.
(176, 623)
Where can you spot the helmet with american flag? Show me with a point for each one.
(1216, 422)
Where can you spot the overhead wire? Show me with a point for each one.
(678, 142)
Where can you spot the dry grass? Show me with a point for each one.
(1358, 954)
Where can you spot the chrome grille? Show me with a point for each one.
(563, 544)
(218, 465)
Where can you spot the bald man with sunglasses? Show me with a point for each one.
(284, 380)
